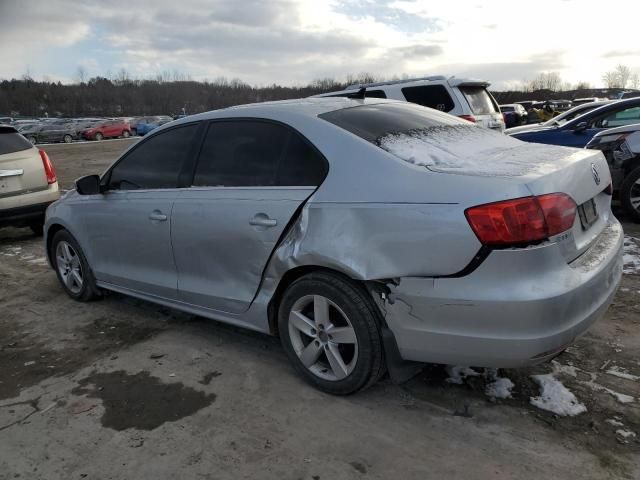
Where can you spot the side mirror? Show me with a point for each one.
(580, 127)
(89, 185)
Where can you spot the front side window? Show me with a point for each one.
(432, 96)
(155, 163)
(249, 153)
(627, 116)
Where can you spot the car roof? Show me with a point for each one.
(310, 107)
(609, 107)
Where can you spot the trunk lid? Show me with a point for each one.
(21, 167)
(472, 151)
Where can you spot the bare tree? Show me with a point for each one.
(547, 81)
(617, 78)
(81, 74)
(634, 80)
(582, 85)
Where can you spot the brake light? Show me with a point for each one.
(48, 167)
(470, 118)
(522, 221)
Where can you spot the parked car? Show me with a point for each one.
(54, 132)
(343, 225)
(28, 183)
(578, 132)
(149, 124)
(562, 118)
(6, 120)
(464, 98)
(581, 101)
(621, 147)
(108, 129)
(514, 114)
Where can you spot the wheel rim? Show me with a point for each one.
(69, 266)
(67, 138)
(323, 337)
(634, 195)
(125, 134)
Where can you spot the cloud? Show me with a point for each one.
(621, 53)
(417, 51)
(388, 13)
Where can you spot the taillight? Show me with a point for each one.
(470, 118)
(48, 167)
(522, 221)
(609, 189)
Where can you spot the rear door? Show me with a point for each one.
(21, 168)
(250, 179)
(128, 227)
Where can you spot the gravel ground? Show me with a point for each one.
(125, 389)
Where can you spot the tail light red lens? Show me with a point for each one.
(48, 167)
(469, 118)
(522, 221)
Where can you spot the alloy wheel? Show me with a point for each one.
(69, 267)
(634, 195)
(323, 337)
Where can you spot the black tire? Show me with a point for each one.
(32, 139)
(126, 134)
(99, 136)
(628, 190)
(67, 138)
(364, 317)
(134, 132)
(89, 291)
(37, 227)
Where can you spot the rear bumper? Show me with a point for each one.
(19, 210)
(23, 215)
(520, 307)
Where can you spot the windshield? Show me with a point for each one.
(373, 122)
(480, 101)
(569, 115)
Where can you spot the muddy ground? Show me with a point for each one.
(121, 388)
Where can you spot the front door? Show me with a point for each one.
(128, 227)
(250, 179)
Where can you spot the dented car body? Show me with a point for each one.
(394, 212)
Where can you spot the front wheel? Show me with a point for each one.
(32, 139)
(99, 136)
(67, 139)
(630, 194)
(72, 268)
(329, 328)
(125, 134)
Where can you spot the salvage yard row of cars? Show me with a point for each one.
(67, 130)
(369, 233)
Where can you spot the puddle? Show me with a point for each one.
(141, 401)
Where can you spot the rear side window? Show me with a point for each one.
(432, 96)
(11, 142)
(246, 153)
(155, 163)
(479, 100)
(373, 122)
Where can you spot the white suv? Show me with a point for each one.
(465, 98)
(28, 182)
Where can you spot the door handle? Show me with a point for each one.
(263, 220)
(157, 216)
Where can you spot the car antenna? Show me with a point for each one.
(359, 94)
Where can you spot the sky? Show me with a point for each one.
(292, 42)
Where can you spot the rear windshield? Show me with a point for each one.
(479, 100)
(373, 122)
(11, 142)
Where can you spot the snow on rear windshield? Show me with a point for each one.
(470, 150)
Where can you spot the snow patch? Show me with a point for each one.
(626, 434)
(631, 255)
(622, 373)
(614, 422)
(472, 150)
(457, 374)
(555, 397)
(500, 388)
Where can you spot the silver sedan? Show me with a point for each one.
(368, 234)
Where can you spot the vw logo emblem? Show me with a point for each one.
(596, 176)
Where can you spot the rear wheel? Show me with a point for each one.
(630, 194)
(125, 134)
(72, 268)
(99, 136)
(32, 139)
(67, 138)
(330, 332)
